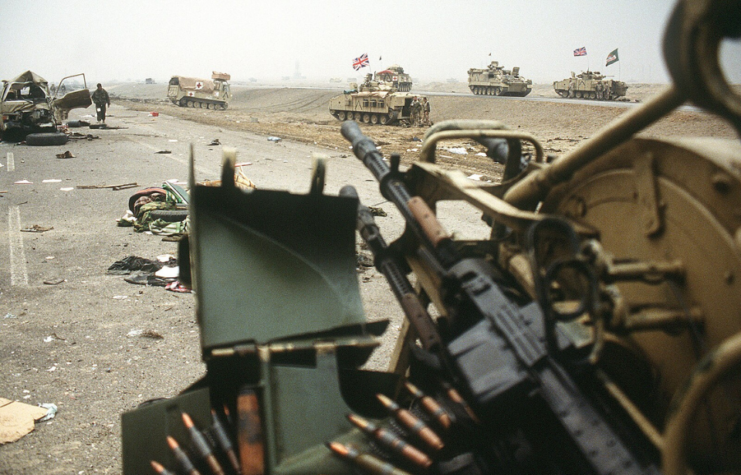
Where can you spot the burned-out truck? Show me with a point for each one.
(213, 93)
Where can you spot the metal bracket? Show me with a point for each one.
(643, 166)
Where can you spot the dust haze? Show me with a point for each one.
(267, 41)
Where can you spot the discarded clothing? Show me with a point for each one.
(134, 263)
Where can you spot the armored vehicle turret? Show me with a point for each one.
(494, 80)
(395, 76)
(373, 102)
(590, 85)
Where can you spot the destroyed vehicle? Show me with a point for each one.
(213, 93)
(494, 80)
(27, 105)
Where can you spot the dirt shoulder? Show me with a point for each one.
(302, 115)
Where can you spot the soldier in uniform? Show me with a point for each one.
(572, 86)
(599, 89)
(425, 111)
(416, 109)
(101, 99)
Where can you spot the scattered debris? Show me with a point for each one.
(66, 188)
(54, 281)
(66, 154)
(53, 337)
(120, 297)
(475, 177)
(416, 139)
(481, 154)
(112, 187)
(23, 182)
(215, 142)
(145, 334)
(9, 315)
(37, 229)
(164, 151)
(79, 136)
(51, 411)
(177, 287)
(457, 150)
(152, 334)
(133, 263)
(154, 114)
(18, 419)
(375, 211)
(54, 180)
(274, 139)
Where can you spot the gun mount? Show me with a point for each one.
(597, 331)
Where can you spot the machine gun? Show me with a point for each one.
(494, 351)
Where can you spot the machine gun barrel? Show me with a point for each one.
(394, 189)
(391, 269)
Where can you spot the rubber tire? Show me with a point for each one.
(350, 116)
(341, 115)
(374, 119)
(77, 123)
(169, 215)
(383, 120)
(54, 138)
(366, 118)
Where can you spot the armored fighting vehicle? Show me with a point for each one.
(590, 85)
(497, 81)
(372, 103)
(395, 76)
(213, 93)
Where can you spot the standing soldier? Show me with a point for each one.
(599, 89)
(572, 86)
(101, 99)
(425, 112)
(416, 109)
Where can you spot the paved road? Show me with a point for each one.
(69, 343)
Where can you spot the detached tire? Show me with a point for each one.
(169, 215)
(47, 139)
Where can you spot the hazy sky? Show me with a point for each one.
(432, 39)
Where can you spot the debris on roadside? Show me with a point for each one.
(112, 187)
(377, 211)
(274, 139)
(37, 229)
(53, 180)
(215, 142)
(23, 182)
(18, 419)
(177, 287)
(79, 136)
(51, 411)
(134, 263)
(54, 281)
(145, 334)
(164, 151)
(66, 154)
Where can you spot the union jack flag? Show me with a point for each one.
(361, 61)
(580, 51)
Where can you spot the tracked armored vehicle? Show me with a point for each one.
(497, 81)
(590, 85)
(213, 93)
(372, 103)
(395, 76)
